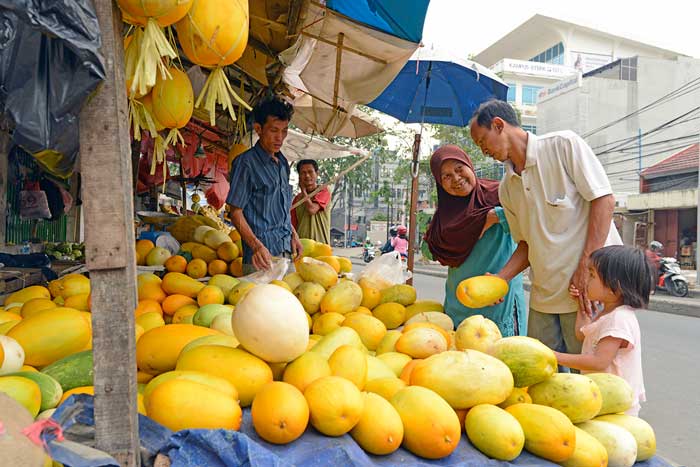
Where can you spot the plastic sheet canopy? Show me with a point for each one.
(49, 64)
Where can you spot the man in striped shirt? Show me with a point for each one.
(260, 194)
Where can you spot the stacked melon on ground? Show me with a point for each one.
(364, 358)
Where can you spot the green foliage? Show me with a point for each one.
(379, 216)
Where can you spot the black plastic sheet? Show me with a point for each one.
(49, 64)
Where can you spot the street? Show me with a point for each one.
(670, 346)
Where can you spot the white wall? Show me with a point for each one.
(601, 100)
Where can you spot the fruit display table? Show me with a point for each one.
(221, 448)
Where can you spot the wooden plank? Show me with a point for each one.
(4, 150)
(109, 235)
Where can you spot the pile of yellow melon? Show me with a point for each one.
(207, 252)
(346, 357)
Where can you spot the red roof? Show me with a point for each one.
(681, 162)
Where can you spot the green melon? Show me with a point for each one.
(72, 371)
(576, 396)
(529, 360)
(51, 391)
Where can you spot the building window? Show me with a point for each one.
(628, 69)
(511, 92)
(531, 128)
(530, 94)
(554, 54)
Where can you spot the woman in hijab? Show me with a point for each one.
(470, 234)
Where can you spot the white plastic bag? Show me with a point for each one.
(387, 270)
(276, 272)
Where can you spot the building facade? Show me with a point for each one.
(537, 56)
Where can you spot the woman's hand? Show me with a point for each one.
(491, 219)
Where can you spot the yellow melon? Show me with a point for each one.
(403, 294)
(176, 301)
(332, 261)
(74, 284)
(35, 305)
(280, 413)
(548, 432)
(326, 322)
(149, 320)
(215, 382)
(245, 371)
(79, 390)
(388, 342)
(181, 404)
(370, 329)
(420, 306)
(24, 391)
(385, 387)
(408, 369)
(294, 280)
(341, 336)
(184, 315)
(494, 432)
(310, 294)
(481, 291)
(421, 342)
(371, 295)
(350, 363)
(588, 452)
(177, 283)
(312, 270)
(342, 298)
(157, 350)
(395, 360)
(376, 369)
(26, 294)
(380, 429)
(431, 427)
(306, 369)
(478, 333)
(51, 335)
(576, 396)
(641, 430)
(335, 405)
(517, 396)
(465, 378)
(392, 315)
(210, 294)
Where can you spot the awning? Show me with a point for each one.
(400, 18)
(313, 116)
(342, 62)
(299, 146)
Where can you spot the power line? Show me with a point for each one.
(679, 92)
(636, 137)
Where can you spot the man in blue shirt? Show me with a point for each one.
(260, 194)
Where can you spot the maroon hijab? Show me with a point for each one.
(458, 221)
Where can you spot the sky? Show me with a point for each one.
(466, 27)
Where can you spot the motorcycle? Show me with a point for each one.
(671, 279)
(368, 253)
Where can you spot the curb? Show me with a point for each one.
(658, 302)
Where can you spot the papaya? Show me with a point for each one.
(400, 293)
(178, 283)
(344, 297)
(312, 270)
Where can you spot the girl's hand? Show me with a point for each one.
(573, 291)
(491, 219)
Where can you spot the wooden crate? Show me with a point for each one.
(13, 279)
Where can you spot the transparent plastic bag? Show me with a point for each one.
(276, 272)
(385, 271)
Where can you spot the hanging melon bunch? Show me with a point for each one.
(213, 34)
(152, 45)
(139, 118)
(154, 128)
(172, 102)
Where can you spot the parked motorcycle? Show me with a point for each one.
(368, 253)
(671, 279)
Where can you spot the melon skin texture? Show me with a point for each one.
(270, 323)
(616, 393)
(643, 433)
(494, 432)
(548, 432)
(529, 360)
(618, 442)
(588, 453)
(72, 371)
(576, 396)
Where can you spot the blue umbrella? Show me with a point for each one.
(435, 88)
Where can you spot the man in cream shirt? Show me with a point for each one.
(559, 205)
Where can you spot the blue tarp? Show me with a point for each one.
(225, 448)
(400, 18)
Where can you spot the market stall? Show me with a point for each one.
(188, 362)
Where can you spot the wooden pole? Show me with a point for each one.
(413, 214)
(109, 234)
(4, 155)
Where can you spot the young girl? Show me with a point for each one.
(620, 281)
